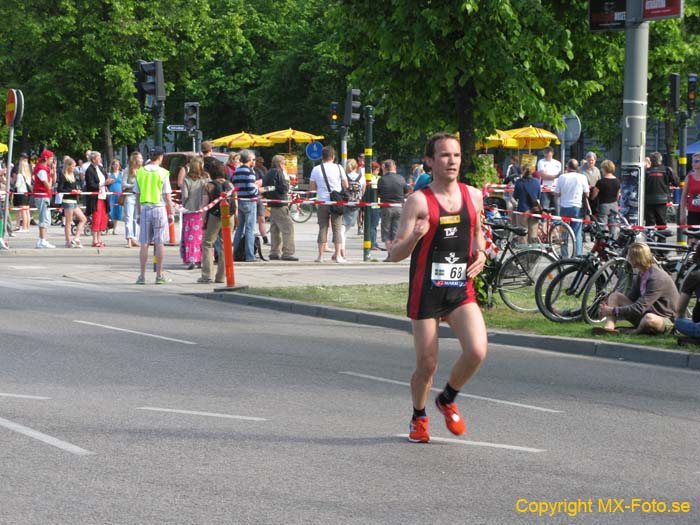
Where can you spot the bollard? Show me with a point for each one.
(171, 229)
(226, 233)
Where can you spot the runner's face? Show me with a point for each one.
(447, 159)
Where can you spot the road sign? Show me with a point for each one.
(176, 127)
(657, 9)
(313, 150)
(572, 129)
(606, 16)
(14, 107)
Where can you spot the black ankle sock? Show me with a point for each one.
(418, 413)
(448, 395)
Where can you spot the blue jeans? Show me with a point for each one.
(550, 200)
(688, 327)
(375, 214)
(130, 216)
(577, 226)
(247, 216)
(44, 213)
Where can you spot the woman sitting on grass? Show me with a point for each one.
(649, 305)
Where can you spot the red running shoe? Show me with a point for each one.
(453, 419)
(418, 430)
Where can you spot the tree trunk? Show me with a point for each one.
(465, 121)
(107, 139)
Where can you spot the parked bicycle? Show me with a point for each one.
(557, 235)
(300, 211)
(513, 272)
(559, 289)
(617, 274)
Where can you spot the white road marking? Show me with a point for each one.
(134, 332)
(472, 396)
(49, 440)
(196, 413)
(479, 444)
(23, 396)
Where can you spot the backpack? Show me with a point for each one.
(222, 187)
(239, 253)
(355, 188)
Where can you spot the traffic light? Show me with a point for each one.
(352, 103)
(191, 116)
(334, 115)
(138, 84)
(675, 79)
(149, 81)
(692, 91)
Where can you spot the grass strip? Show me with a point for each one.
(391, 299)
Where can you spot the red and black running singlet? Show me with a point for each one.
(438, 276)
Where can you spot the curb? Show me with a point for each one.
(587, 347)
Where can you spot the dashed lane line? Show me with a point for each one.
(480, 444)
(23, 396)
(471, 396)
(197, 413)
(108, 327)
(45, 438)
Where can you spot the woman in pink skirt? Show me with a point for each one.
(192, 190)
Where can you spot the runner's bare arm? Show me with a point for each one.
(478, 259)
(415, 221)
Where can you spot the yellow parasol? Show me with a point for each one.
(532, 138)
(288, 135)
(242, 140)
(3, 148)
(500, 139)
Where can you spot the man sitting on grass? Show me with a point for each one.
(650, 305)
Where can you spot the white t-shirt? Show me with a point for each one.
(334, 172)
(548, 167)
(571, 186)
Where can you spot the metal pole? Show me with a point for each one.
(563, 153)
(344, 146)
(370, 193)
(634, 109)
(158, 121)
(6, 201)
(682, 168)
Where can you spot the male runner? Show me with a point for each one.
(441, 229)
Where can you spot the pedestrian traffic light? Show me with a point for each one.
(352, 103)
(191, 116)
(675, 79)
(149, 81)
(692, 91)
(334, 115)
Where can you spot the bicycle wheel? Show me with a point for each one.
(517, 277)
(613, 276)
(301, 212)
(561, 240)
(546, 277)
(562, 300)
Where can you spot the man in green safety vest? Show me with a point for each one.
(153, 191)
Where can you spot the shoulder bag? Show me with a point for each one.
(338, 196)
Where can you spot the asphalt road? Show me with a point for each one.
(161, 407)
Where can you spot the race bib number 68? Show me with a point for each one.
(449, 275)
